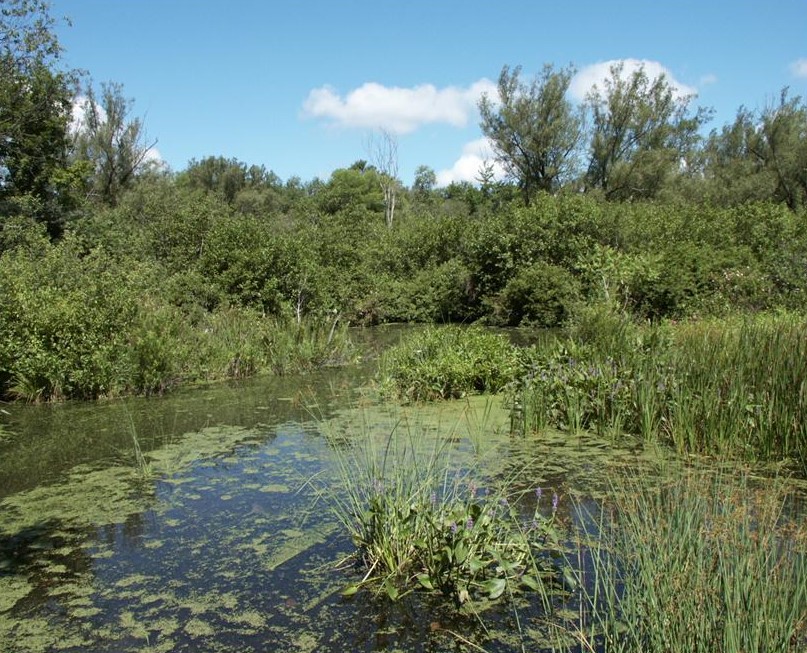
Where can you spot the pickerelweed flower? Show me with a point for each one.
(538, 493)
(469, 524)
(454, 527)
(555, 501)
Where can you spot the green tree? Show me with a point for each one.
(534, 130)
(113, 143)
(643, 132)
(35, 102)
(761, 156)
(780, 144)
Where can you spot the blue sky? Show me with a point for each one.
(300, 86)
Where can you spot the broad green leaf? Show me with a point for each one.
(425, 581)
(494, 587)
(531, 582)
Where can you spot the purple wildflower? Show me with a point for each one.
(538, 493)
(555, 501)
(454, 527)
(469, 524)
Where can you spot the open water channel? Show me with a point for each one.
(186, 523)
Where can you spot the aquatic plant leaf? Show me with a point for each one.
(425, 581)
(391, 590)
(350, 590)
(494, 587)
(530, 582)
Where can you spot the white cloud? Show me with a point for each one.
(799, 68)
(597, 73)
(474, 155)
(396, 109)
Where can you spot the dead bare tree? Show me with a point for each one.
(382, 149)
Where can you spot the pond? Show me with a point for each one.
(190, 522)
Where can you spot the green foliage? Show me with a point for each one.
(641, 134)
(111, 142)
(723, 387)
(542, 295)
(448, 362)
(533, 129)
(698, 563)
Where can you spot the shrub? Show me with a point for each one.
(541, 295)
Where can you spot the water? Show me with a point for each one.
(215, 540)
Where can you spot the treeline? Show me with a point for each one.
(118, 276)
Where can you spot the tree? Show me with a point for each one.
(384, 157)
(533, 129)
(642, 132)
(781, 144)
(425, 181)
(35, 101)
(112, 142)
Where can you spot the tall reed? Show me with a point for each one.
(704, 563)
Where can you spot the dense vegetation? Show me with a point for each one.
(120, 276)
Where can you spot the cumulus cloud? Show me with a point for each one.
(396, 109)
(597, 73)
(474, 155)
(799, 68)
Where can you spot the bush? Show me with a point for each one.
(541, 295)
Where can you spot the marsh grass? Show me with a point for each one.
(422, 516)
(726, 387)
(704, 562)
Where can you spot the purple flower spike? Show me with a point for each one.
(469, 524)
(555, 501)
(538, 493)
(433, 498)
(454, 527)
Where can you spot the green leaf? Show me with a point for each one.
(392, 591)
(425, 581)
(494, 587)
(460, 552)
(531, 582)
(350, 590)
(476, 564)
